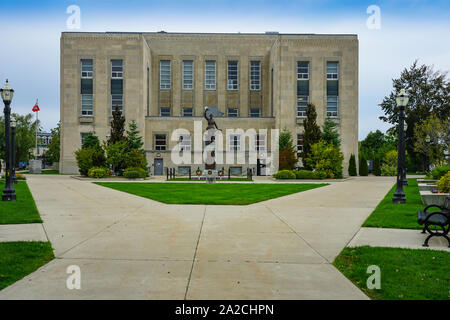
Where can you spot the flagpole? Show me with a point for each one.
(37, 124)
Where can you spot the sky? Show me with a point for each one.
(407, 30)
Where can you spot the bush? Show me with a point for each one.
(363, 168)
(320, 175)
(325, 157)
(376, 167)
(444, 183)
(284, 174)
(135, 159)
(390, 158)
(304, 174)
(439, 172)
(352, 166)
(97, 172)
(89, 158)
(115, 156)
(134, 173)
(388, 170)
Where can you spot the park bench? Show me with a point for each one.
(439, 219)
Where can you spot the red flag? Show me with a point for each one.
(36, 107)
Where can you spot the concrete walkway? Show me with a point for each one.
(22, 232)
(128, 247)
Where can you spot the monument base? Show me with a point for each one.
(210, 176)
(35, 166)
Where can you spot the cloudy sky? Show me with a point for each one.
(409, 30)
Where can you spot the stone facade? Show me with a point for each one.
(141, 53)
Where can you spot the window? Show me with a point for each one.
(164, 112)
(160, 142)
(302, 70)
(302, 102)
(236, 171)
(86, 105)
(164, 74)
(185, 142)
(332, 70)
(117, 69)
(188, 112)
(232, 75)
(299, 145)
(83, 135)
(188, 75)
(233, 112)
(255, 75)
(210, 75)
(255, 112)
(87, 68)
(117, 100)
(235, 142)
(260, 142)
(332, 106)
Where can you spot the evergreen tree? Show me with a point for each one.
(287, 153)
(352, 166)
(134, 139)
(329, 133)
(363, 168)
(376, 167)
(117, 127)
(90, 141)
(311, 134)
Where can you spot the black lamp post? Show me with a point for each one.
(9, 194)
(13, 150)
(399, 195)
(427, 140)
(404, 180)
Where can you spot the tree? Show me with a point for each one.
(376, 167)
(363, 168)
(327, 158)
(428, 93)
(377, 144)
(134, 139)
(311, 134)
(352, 166)
(117, 127)
(52, 154)
(330, 133)
(88, 158)
(286, 148)
(115, 156)
(90, 141)
(438, 133)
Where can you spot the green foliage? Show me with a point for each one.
(52, 154)
(363, 168)
(284, 174)
(391, 157)
(134, 140)
(89, 158)
(304, 174)
(326, 157)
(134, 173)
(330, 133)
(117, 127)
(135, 158)
(376, 145)
(444, 183)
(311, 134)
(287, 154)
(90, 141)
(388, 170)
(115, 155)
(439, 172)
(376, 167)
(97, 172)
(352, 166)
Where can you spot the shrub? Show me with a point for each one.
(388, 170)
(391, 158)
(134, 173)
(352, 166)
(304, 174)
(89, 158)
(439, 172)
(325, 157)
(135, 159)
(115, 156)
(444, 183)
(284, 174)
(97, 172)
(320, 175)
(363, 168)
(376, 167)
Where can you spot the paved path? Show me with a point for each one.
(128, 247)
(22, 232)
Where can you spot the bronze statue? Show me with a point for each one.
(211, 122)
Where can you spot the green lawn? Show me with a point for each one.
(405, 274)
(401, 216)
(18, 259)
(43, 172)
(218, 180)
(202, 193)
(21, 211)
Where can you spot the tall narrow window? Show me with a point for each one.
(302, 87)
(233, 75)
(87, 87)
(210, 75)
(116, 69)
(86, 105)
(164, 74)
(185, 142)
(116, 94)
(235, 142)
(332, 89)
(255, 75)
(299, 145)
(260, 142)
(188, 75)
(87, 68)
(160, 142)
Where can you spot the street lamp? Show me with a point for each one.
(428, 140)
(9, 194)
(13, 150)
(399, 195)
(405, 127)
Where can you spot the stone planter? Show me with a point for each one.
(427, 181)
(35, 166)
(427, 186)
(429, 197)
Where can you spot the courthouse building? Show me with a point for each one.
(164, 81)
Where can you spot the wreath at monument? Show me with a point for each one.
(210, 172)
(198, 172)
(220, 173)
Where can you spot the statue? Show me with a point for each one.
(211, 123)
(210, 165)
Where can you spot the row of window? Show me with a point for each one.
(210, 75)
(189, 112)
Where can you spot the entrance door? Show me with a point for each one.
(159, 167)
(261, 167)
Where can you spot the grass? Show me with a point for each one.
(18, 259)
(406, 274)
(218, 180)
(50, 171)
(401, 216)
(23, 210)
(199, 193)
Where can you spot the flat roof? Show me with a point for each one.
(268, 33)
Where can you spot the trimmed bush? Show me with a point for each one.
(98, 173)
(439, 172)
(444, 183)
(304, 174)
(134, 173)
(135, 159)
(363, 168)
(376, 167)
(320, 175)
(352, 166)
(284, 174)
(388, 170)
(89, 158)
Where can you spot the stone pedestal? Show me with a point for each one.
(35, 166)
